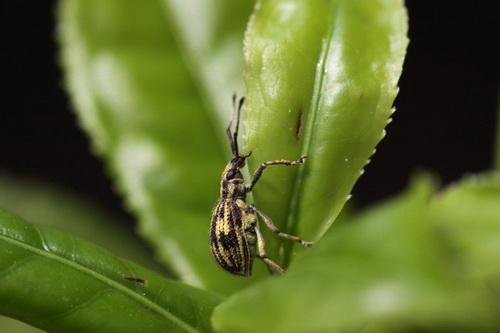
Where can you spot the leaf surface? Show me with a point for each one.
(468, 213)
(62, 284)
(387, 270)
(43, 203)
(321, 78)
(139, 96)
(11, 325)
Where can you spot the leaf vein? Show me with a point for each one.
(15, 265)
(99, 276)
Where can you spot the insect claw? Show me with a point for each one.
(306, 244)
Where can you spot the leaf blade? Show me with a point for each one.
(367, 47)
(12, 325)
(303, 69)
(80, 286)
(468, 212)
(387, 270)
(43, 203)
(146, 115)
(210, 35)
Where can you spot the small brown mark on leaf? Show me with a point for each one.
(137, 280)
(299, 125)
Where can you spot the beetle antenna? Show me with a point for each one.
(231, 137)
(237, 128)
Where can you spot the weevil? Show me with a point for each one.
(235, 238)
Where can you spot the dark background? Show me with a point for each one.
(445, 120)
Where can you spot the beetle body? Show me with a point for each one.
(232, 230)
(235, 239)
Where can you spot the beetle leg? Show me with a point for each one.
(261, 253)
(264, 165)
(269, 223)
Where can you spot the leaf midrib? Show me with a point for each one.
(309, 130)
(104, 279)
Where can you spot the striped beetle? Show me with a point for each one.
(235, 238)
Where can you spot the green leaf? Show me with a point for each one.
(211, 38)
(63, 284)
(140, 102)
(43, 203)
(469, 214)
(386, 271)
(496, 152)
(321, 79)
(15, 326)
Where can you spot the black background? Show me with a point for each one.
(445, 119)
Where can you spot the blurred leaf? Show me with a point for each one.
(321, 79)
(496, 153)
(469, 214)
(14, 326)
(385, 272)
(47, 204)
(62, 284)
(140, 104)
(211, 36)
